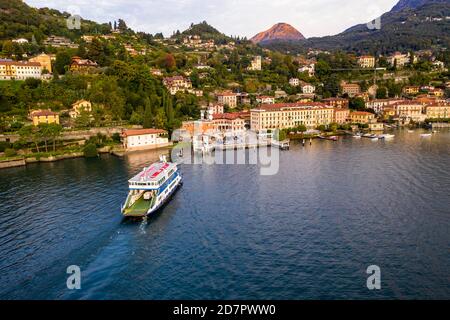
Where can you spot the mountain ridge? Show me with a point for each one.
(413, 4)
(423, 27)
(279, 31)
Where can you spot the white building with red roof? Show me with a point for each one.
(144, 139)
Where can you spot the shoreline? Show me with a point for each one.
(21, 161)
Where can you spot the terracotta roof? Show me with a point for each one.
(230, 94)
(138, 132)
(408, 102)
(227, 116)
(43, 113)
(20, 63)
(335, 99)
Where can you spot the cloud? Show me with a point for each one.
(233, 17)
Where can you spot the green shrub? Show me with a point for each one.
(90, 150)
(19, 145)
(116, 137)
(4, 145)
(10, 152)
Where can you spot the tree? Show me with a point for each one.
(90, 150)
(357, 104)
(28, 133)
(322, 68)
(83, 120)
(381, 93)
(54, 130)
(45, 132)
(8, 48)
(148, 115)
(122, 26)
(170, 62)
(63, 59)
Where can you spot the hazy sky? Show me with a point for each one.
(232, 17)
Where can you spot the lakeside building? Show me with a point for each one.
(376, 126)
(290, 115)
(378, 105)
(438, 111)
(19, 70)
(388, 112)
(44, 116)
(265, 100)
(144, 139)
(351, 89)
(82, 65)
(341, 116)
(235, 122)
(229, 122)
(256, 64)
(366, 62)
(408, 111)
(198, 127)
(227, 98)
(45, 60)
(337, 102)
(80, 106)
(362, 117)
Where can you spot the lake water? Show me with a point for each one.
(309, 232)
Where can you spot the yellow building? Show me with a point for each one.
(45, 61)
(410, 110)
(439, 93)
(366, 61)
(361, 117)
(341, 115)
(44, 116)
(437, 111)
(19, 70)
(290, 115)
(79, 106)
(351, 89)
(411, 90)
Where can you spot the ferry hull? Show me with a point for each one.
(166, 199)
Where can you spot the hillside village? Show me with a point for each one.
(112, 79)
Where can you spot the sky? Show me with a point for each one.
(313, 18)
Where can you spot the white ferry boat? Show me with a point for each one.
(151, 188)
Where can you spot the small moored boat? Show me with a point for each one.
(386, 136)
(426, 135)
(151, 188)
